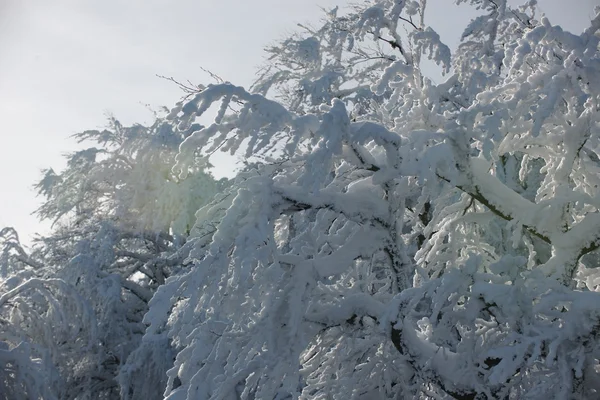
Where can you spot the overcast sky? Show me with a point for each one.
(65, 64)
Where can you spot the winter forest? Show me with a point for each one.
(388, 237)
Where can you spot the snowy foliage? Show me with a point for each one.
(75, 303)
(390, 238)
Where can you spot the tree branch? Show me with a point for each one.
(477, 195)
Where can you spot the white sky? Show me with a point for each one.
(64, 64)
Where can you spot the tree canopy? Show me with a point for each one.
(389, 237)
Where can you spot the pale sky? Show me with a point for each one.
(65, 64)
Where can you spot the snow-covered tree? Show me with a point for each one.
(76, 302)
(398, 238)
(390, 238)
